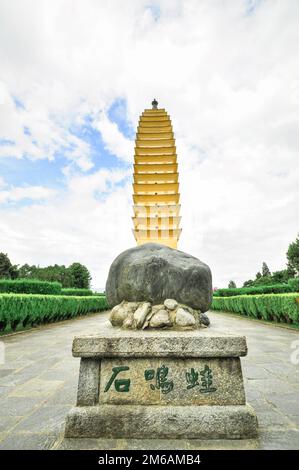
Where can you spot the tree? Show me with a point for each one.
(68, 277)
(263, 281)
(7, 270)
(265, 270)
(232, 285)
(258, 275)
(282, 277)
(26, 271)
(293, 255)
(279, 277)
(291, 272)
(81, 275)
(248, 283)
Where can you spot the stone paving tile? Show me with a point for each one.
(275, 385)
(19, 364)
(251, 372)
(41, 386)
(294, 418)
(67, 364)
(37, 388)
(19, 406)
(57, 374)
(28, 441)
(66, 395)
(259, 403)
(278, 440)
(269, 417)
(46, 419)
(288, 404)
(26, 373)
(4, 391)
(87, 444)
(5, 372)
(8, 422)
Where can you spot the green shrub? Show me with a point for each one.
(277, 307)
(76, 292)
(294, 284)
(275, 289)
(29, 286)
(30, 310)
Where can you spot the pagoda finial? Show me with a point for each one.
(155, 104)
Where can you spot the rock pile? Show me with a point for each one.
(170, 314)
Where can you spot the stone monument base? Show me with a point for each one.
(166, 384)
(162, 422)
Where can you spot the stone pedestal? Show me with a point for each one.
(166, 384)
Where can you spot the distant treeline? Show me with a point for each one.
(291, 286)
(74, 276)
(264, 277)
(35, 286)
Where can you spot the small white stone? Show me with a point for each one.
(184, 318)
(131, 306)
(156, 308)
(159, 319)
(121, 311)
(128, 322)
(141, 313)
(171, 304)
(118, 315)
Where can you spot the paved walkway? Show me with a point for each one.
(39, 378)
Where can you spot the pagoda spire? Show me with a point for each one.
(155, 104)
(156, 180)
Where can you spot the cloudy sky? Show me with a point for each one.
(75, 76)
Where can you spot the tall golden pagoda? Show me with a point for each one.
(156, 188)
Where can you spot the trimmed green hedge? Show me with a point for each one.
(275, 289)
(275, 307)
(76, 292)
(29, 310)
(29, 286)
(294, 284)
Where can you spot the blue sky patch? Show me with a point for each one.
(100, 156)
(49, 173)
(251, 6)
(155, 11)
(7, 142)
(27, 131)
(18, 103)
(117, 113)
(25, 202)
(20, 172)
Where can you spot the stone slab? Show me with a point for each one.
(165, 422)
(116, 342)
(170, 381)
(89, 379)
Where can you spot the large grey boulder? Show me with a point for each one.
(154, 273)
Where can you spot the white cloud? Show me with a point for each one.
(33, 133)
(227, 73)
(88, 223)
(115, 142)
(35, 193)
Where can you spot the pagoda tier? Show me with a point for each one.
(156, 181)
